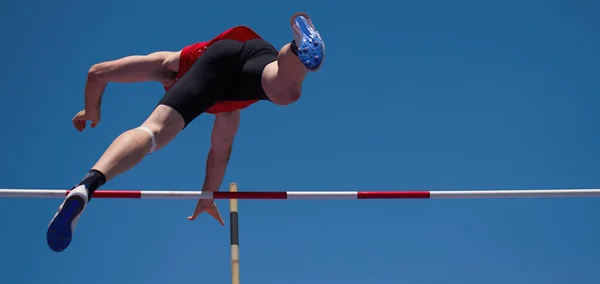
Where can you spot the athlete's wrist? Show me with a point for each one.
(209, 190)
(92, 109)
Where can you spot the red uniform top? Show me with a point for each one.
(191, 53)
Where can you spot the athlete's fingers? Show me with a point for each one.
(214, 211)
(217, 216)
(82, 124)
(197, 211)
(195, 215)
(77, 124)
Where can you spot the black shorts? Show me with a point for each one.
(228, 70)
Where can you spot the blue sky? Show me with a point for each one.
(434, 95)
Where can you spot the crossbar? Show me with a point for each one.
(329, 195)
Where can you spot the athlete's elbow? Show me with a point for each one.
(98, 72)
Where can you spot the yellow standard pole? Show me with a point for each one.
(233, 228)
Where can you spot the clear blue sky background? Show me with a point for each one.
(434, 95)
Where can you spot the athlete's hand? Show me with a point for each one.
(208, 206)
(81, 118)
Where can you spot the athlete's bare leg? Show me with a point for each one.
(125, 152)
(132, 146)
(282, 79)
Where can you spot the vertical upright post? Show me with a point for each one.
(233, 228)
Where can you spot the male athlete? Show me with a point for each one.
(222, 76)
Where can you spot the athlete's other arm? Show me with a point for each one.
(158, 66)
(224, 130)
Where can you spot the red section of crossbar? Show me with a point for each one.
(393, 194)
(249, 195)
(115, 194)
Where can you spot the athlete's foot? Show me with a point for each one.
(311, 48)
(64, 221)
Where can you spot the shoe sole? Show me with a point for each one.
(59, 232)
(312, 44)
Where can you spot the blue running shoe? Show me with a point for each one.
(60, 230)
(311, 48)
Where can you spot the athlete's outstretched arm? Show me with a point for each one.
(224, 130)
(158, 66)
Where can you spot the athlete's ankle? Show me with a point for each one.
(93, 180)
(294, 47)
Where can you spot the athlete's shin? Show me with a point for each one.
(289, 64)
(132, 146)
(124, 153)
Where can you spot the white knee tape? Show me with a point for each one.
(151, 136)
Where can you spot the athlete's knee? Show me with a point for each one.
(285, 94)
(160, 135)
(294, 94)
(281, 88)
(162, 126)
(289, 95)
(152, 135)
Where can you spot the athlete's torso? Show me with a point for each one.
(191, 53)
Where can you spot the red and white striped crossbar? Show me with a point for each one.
(154, 194)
